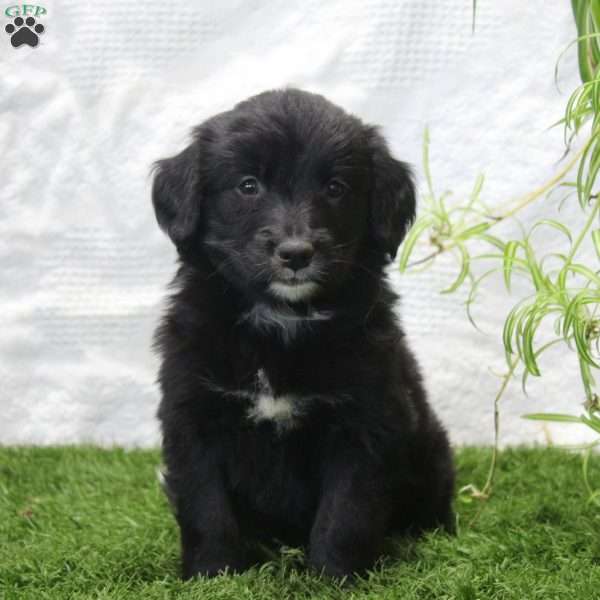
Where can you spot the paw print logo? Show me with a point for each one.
(24, 32)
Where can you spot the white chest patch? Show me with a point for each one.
(269, 407)
(286, 411)
(282, 410)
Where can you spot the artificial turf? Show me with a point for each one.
(81, 522)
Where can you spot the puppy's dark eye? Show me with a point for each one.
(336, 189)
(249, 186)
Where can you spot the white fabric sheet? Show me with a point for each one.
(113, 86)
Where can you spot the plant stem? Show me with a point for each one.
(583, 232)
(529, 198)
(586, 376)
(525, 201)
(486, 491)
(487, 488)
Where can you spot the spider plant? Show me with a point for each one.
(559, 303)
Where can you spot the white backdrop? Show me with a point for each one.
(113, 86)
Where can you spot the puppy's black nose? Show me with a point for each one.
(294, 253)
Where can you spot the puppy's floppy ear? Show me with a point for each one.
(393, 202)
(175, 195)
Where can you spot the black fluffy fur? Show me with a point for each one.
(364, 455)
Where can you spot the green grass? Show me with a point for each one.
(89, 523)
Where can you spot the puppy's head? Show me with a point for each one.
(285, 194)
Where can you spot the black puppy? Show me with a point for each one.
(292, 409)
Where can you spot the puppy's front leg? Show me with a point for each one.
(210, 534)
(350, 525)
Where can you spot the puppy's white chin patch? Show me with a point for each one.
(293, 293)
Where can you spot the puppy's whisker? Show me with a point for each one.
(342, 261)
(261, 272)
(344, 245)
(223, 265)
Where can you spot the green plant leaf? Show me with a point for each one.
(473, 231)
(510, 250)
(596, 240)
(592, 423)
(585, 271)
(464, 270)
(412, 237)
(554, 224)
(553, 417)
(493, 240)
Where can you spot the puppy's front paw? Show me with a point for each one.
(209, 569)
(336, 565)
(211, 564)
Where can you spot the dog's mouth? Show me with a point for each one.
(294, 289)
